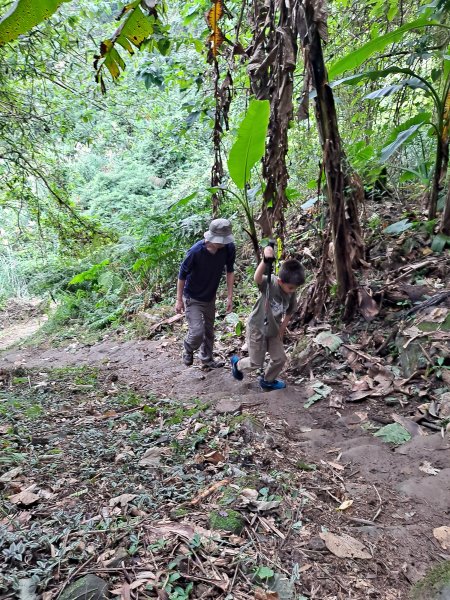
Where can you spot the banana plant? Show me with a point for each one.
(436, 86)
(246, 151)
(23, 15)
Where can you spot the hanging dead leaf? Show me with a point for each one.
(24, 497)
(214, 14)
(344, 546)
(215, 40)
(442, 534)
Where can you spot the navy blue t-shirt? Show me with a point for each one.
(203, 270)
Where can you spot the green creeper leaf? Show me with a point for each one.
(439, 242)
(264, 573)
(24, 15)
(250, 143)
(398, 227)
(394, 433)
(183, 201)
(89, 275)
(328, 340)
(356, 57)
(402, 137)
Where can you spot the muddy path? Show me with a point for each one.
(406, 503)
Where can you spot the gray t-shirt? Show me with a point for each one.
(281, 304)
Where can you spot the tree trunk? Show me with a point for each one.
(445, 225)
(432, 207)
(333, 161)
(273, 58)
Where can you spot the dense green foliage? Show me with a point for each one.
(115, 187)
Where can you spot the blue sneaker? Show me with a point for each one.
(271, 385)
(235, 371)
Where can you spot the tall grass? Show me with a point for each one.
(12, 280)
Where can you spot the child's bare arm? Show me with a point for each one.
(283, 325)
(260, 269)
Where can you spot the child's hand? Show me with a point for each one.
(269, 253)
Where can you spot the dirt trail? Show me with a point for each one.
(20, 331)
(407, 503)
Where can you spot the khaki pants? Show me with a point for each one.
(200, 318)
(258, 345)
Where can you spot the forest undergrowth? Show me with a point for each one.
(106, 483)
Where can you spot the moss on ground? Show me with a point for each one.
(227, 520)
(432, 586)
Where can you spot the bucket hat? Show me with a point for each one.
(219, 232)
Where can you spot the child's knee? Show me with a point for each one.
(279, 360)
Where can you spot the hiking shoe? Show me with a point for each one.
(234, 370)
(188, 358)
(213, 364)
(271, 385)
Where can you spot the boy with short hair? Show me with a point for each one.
(266, 334)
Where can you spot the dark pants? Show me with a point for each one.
(200, 317)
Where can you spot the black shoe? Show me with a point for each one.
(213, 364)
(188, 358)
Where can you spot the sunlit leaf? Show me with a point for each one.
(216, 38)
(250, 143)
(402, 137)
(24, 15)
(136, 28)
(355, 58)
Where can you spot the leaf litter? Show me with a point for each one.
(72, 510)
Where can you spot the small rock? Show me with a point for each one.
(89, 587)
(116, 560)
(252, 429)
(282, 586)
(317, 544)
(391, 401)
(228, 405)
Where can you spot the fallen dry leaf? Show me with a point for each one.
(151, 457)
(122, 500)
(427, 468)
(336, 465)
(10, 475)
(344, 546)
(367, 305)
(346, 504)
(214, 457)
(261, 594)
(442, 534)
(24, 497)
